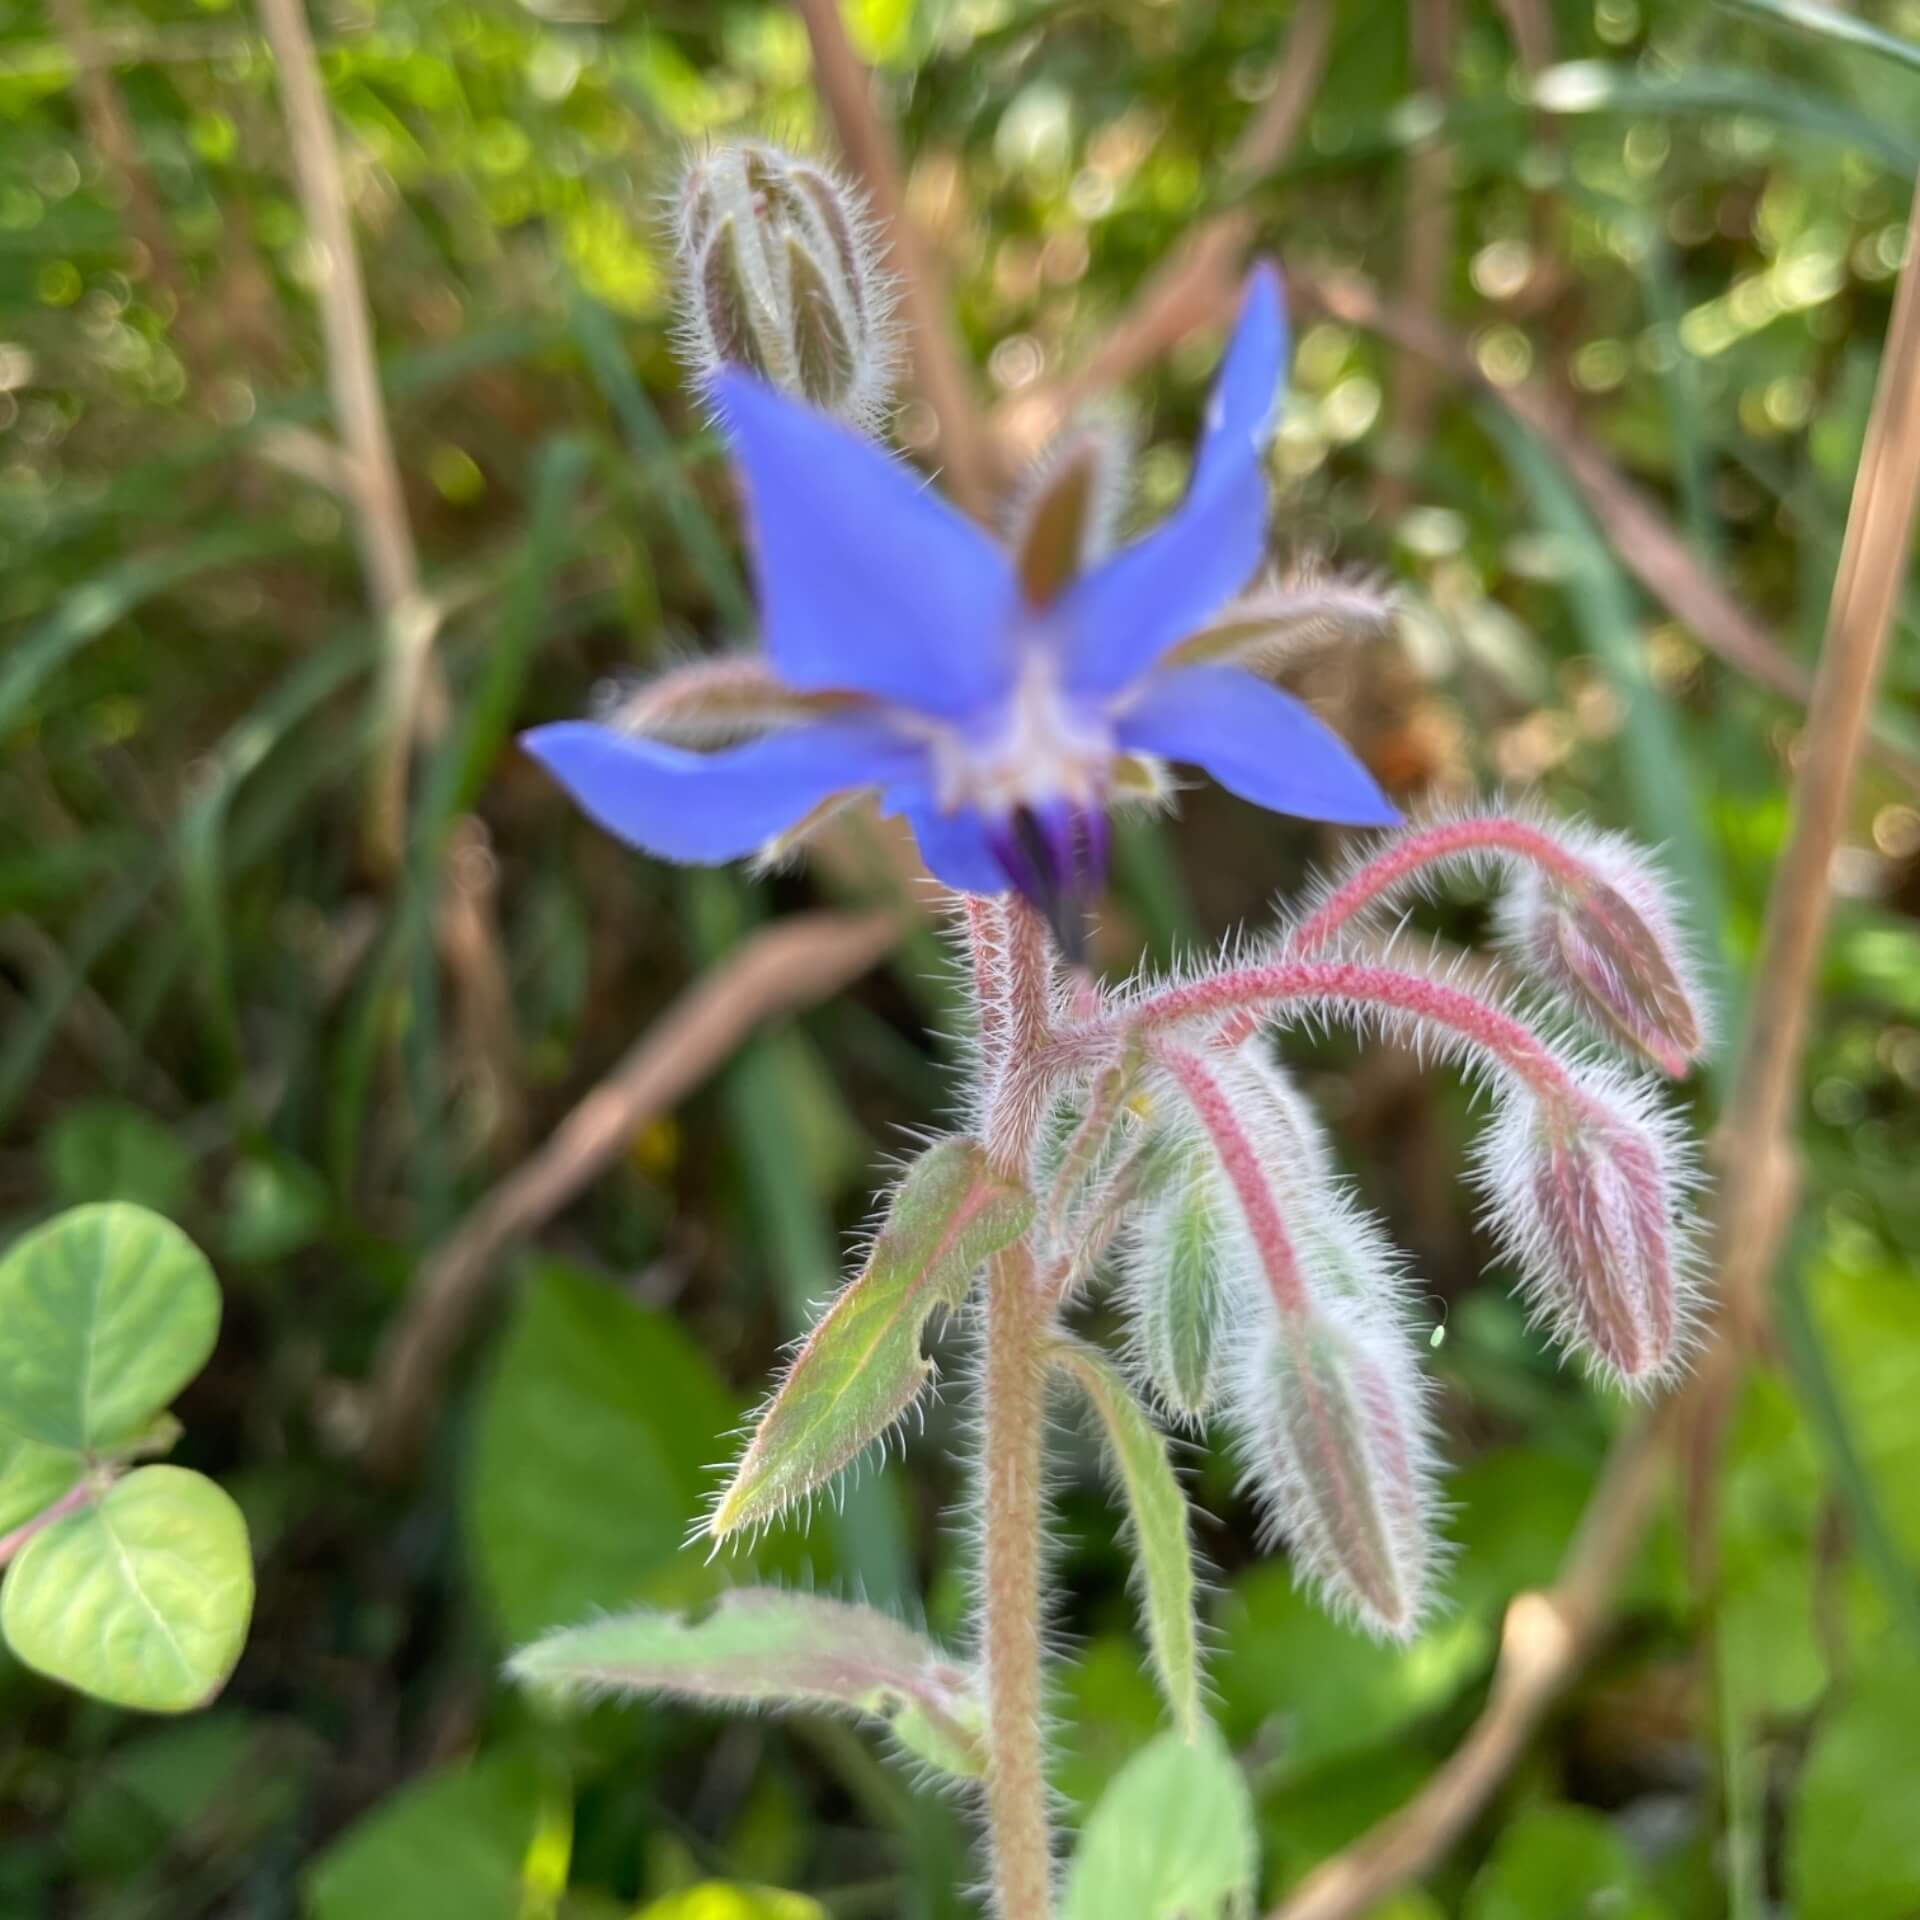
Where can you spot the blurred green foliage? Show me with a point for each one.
(213, 1003)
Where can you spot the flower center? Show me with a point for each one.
(1037, 751)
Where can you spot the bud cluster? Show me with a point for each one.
(780, 273)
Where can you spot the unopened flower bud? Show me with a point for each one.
(1335, 1432)
(779, 273)
(1186, 1279)
(1607, 943)
(1586, 1191)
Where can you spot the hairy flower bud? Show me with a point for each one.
(1186, 1282)
(1587, 1193)
(1333, 1425)
(1608, 944)
(779, 273)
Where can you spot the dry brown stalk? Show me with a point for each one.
(846, 87)
(377, 500)
(790, 965)
(1549, 1636)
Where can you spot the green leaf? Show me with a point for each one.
(107, 1150)
(105, 1314)
(757, 1647)
(1853, 1846)
(32, 1478)
(1560, 1863)
(861, 1366)
(456, 1846)
(1172, 1838)
(1158, 1510)
(594, 1444)
(141, 1598)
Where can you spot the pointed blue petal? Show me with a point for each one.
(1257, 742)
(869, 581)
(1123, 616)
(709, 807)
(1245, 400)
(956, 849)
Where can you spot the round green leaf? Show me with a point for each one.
(141, 1599)
(105, 1314)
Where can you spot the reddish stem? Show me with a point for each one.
(1349, 984)
(1240, 1162)
(77, 1496)
(1424, 847)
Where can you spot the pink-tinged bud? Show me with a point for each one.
(1588, 1193)
(1603, 936)
(1334, 1428)
(779, 273)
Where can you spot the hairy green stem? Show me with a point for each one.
(1012, 1496)
(1019, 1829)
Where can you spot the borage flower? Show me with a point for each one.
(993, 702)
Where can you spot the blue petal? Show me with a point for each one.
(1257, 742)
(956, 849)
(869, 582)
(709, 807)
(1245, 399)
(1123, 616)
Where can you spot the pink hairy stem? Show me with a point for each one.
(1240, 1162)
(1346, 984)
(1397, 863)
(1019, 1332)
(1404, 857)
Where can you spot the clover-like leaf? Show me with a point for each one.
(105, 1314)
(861, 1366)
(1158, 1510)
(1171, 1839)
(140, 1598)
(756, 1647)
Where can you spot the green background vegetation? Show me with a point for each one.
(213, 1003)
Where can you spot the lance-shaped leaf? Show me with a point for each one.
(861, 1366)
(1185, 1274)
(759, 1648)
(1158, 1510)
(1171, 1839)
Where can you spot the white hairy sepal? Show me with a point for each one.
(780, 272)
(1330, 1410)
(1593, 1199)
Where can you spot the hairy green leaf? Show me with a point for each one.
(105, 1314)
(1172, 1838)
(141, 1598)
(757, 1647)
(1158, 1510)
(861, 1366)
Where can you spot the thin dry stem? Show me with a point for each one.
(794, 964)
(1549, 1638)
(378, 501)
(846, 87)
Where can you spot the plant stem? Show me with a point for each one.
(1018, 1826)
(1020, 1314)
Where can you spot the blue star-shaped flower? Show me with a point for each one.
(994, 724)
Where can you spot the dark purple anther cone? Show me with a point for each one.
(1056, 859)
